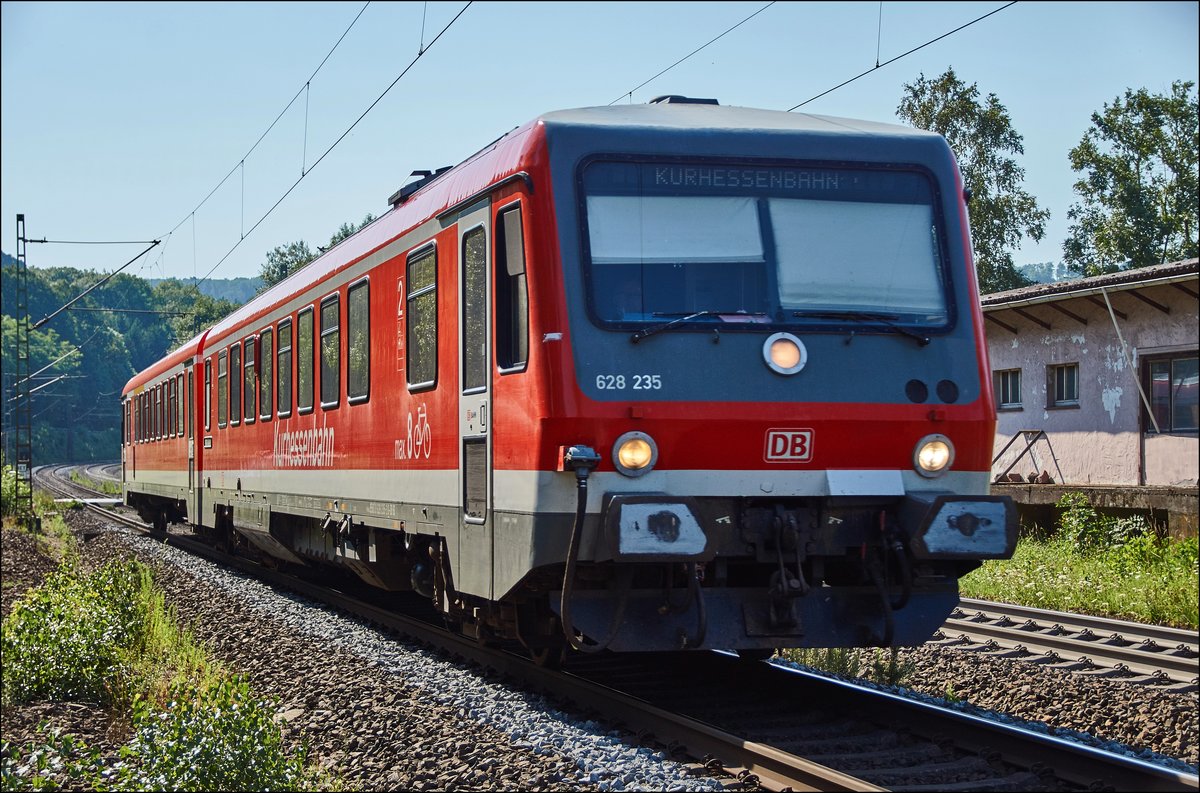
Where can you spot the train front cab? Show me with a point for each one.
(784, 416)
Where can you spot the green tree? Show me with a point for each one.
(195, 309)
(283, 261)
(348, 230)
(981, 135)
(287, 259)
(1139, 190)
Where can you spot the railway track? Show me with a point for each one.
(763, 724)
(1138, 653)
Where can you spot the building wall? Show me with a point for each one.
(1099, 441)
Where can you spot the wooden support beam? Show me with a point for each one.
(1032, 318)
(1100, 303)
(1004, 325)
(1148, 301)
(1070, 314)
(1186, 290)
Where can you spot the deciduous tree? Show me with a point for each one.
(1138, 193)
(981, 135)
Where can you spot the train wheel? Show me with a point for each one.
(756, 653)
(160, 522)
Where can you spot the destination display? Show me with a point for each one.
(853, 184)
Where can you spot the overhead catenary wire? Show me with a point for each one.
(272, 124)
(94, 286)
(879, 65)
(629, 93)
(333, 145)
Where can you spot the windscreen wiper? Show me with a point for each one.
(651, 330)
(866, 316)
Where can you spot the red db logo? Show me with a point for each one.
(789, 446)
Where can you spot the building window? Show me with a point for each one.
(422, 319)
(1173, 387)
(1062, 385)
(1008, 389)
(331, 352)
(358, 347)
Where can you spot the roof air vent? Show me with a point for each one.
(676, 99)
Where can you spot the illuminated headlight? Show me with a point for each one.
(635, 453)
(784, 353)
(933, 455)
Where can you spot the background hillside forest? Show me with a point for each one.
(102, 340)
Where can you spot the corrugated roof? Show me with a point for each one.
(1064, 290)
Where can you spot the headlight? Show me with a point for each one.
(635, 453)
(784, 353)
(933, 455)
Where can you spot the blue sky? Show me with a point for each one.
(117, 120)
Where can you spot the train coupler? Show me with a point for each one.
(784, 587)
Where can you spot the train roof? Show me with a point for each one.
(693, 115)
(170, 361)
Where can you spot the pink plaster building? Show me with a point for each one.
(1106, 368)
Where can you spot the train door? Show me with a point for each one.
(126, 435)
(475, 387)
(190, 421)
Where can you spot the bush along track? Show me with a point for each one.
(106, 637)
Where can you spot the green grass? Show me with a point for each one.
(881, 666)
(106, 486)
(1144, 579)
(108, 637)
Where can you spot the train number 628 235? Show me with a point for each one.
(638, 382)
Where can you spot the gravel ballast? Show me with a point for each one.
(382, 714)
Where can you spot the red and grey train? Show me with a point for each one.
(650, 377)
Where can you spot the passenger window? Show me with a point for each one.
(512, 296)
(304, 361)
(266, 343)
(284, 367)
(249, 385)
(421, 335)
(222, 390)
(358, 336)
(331, 351)
(235, 384)
(179, 405)
(474, 310)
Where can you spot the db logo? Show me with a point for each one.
(789, 446)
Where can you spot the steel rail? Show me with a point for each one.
(1150, 650)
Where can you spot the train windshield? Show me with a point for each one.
(788, 245)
